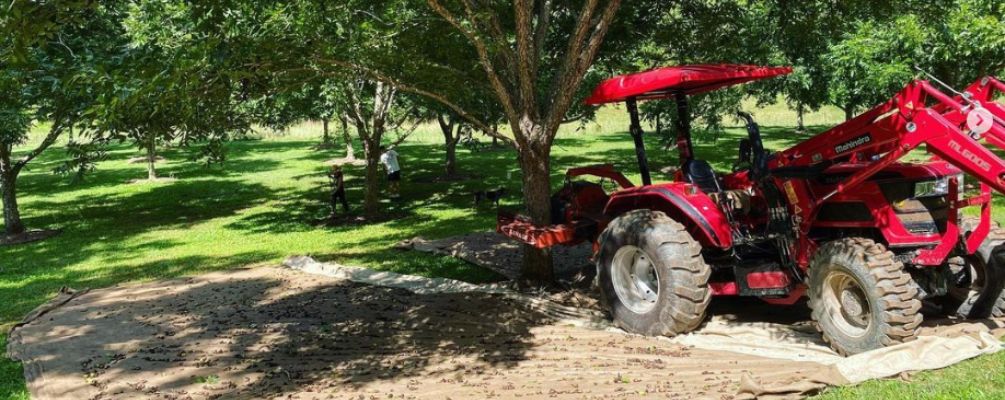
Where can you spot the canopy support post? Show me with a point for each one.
(684, 146)
(640, 147)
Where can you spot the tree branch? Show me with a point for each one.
(541, 30)
(54, 132)
(495, 32)
(577, 64)
(484, 57)
(404, 118)
(526, 73)
(419, 91)
(401, 138)
(456, 134)
(355, 112)
(446, 128)
(572, 49)
(382, 100)
(597, 38)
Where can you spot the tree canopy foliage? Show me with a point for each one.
(50, 55)
(183, 72)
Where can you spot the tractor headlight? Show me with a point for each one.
(935, 188)
(938, 187)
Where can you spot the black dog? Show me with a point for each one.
(491, 195)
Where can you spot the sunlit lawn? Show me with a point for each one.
(257, 209)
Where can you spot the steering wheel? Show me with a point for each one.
(741, 165)
(608, 185)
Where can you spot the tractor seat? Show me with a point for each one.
(701, 174)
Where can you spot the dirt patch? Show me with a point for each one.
(270, 332)
(358, 162)
(144, 160)
(350, 219)
(142, 181)
(504, 255)
(28, 237)
(447, 178)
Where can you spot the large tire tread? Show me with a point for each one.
(960, 306)
(995, 238)
(892, 287)
(689, 294)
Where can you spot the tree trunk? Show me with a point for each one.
(800, 126)
(151, 158)
(8, 178)
(536, 166)
(326, 139)
(8, 185)
(371, 195)
(849, 113)
(495, 133)
(350, 154)
(447, 127)
(451, 166)
(659, 125)
(11, 214)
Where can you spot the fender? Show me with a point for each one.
(681, 201)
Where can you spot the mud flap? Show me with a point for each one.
(994, 283)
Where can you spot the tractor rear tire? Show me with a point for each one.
(971, 270)
(653, 280)
(861, 297)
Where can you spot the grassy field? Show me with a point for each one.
(257, 209)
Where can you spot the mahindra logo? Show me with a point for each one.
(853, 143)
(967, 154)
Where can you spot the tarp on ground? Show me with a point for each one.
(319, 330)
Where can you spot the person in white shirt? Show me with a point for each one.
(390, 160)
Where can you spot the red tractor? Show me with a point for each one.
(838, 218)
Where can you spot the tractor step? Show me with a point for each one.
(520, 228)
(762, 279)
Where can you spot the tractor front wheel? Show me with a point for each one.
(653, 279)
(969, 275)
(862, 299)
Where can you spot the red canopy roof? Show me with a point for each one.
(687, 79)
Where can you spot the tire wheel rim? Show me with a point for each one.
(847, 304)
(635, 279)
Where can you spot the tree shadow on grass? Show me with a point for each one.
(155, 206)
(242, 158)
(108, 226)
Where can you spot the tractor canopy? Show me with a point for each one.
(676, 83)
(685, 79)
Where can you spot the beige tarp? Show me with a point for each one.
(330, 331)
(498, 253)
(938, 347)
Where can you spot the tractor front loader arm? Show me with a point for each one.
(982, 93)
(918, 115)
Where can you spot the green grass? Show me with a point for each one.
(255, 210)
(207, 380)
(980, 378)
